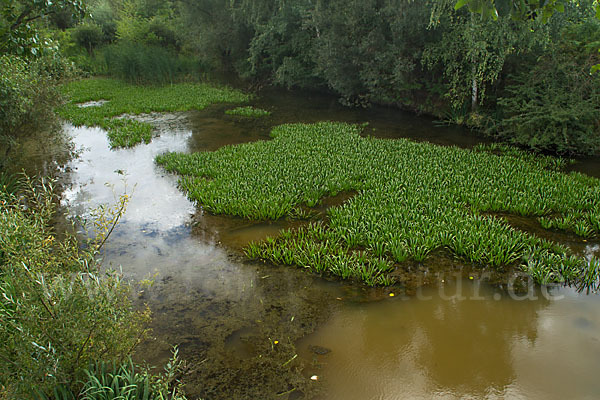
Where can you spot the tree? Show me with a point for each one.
(518, 9)
(18, 33)
(472, 51)
(521, 9)
(88, 36)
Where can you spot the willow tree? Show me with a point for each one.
(472, 51)
(524, 10)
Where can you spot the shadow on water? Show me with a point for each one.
(219, 129)
(239, 324)
(46, 153)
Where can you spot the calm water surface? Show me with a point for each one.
(454, 337)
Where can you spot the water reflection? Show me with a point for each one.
(102, 173)
(219, 310)
(495, 347)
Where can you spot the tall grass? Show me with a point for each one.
(136, 63)
(412, 198)
(124, 381)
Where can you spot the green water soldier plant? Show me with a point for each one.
(411, 199)
(122, 98)
(123, 132)
(248, 111)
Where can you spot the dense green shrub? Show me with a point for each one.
(16, 93)
(28, 90)
(59, 313)
(27, 93)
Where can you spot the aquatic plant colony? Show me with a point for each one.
(124, 99)
(248, 111)
(411, 199)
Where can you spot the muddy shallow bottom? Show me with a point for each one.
(256, 331)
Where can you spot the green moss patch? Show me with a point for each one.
(412, 198)
(123, 98)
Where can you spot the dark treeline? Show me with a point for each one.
(526, 81)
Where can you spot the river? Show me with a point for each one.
(250, 330)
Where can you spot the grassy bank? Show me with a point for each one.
(412, 198)
(125, 99)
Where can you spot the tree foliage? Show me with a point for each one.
(472, 52)
(555, 105)
(517, 9)
(18, 32)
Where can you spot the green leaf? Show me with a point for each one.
(476, 6)
(560, 7)
(503, 7)
(460, 4)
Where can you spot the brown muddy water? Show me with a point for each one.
(256, 331)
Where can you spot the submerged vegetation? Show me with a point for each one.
(412, 198)
(249, 111)
(126, 100)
